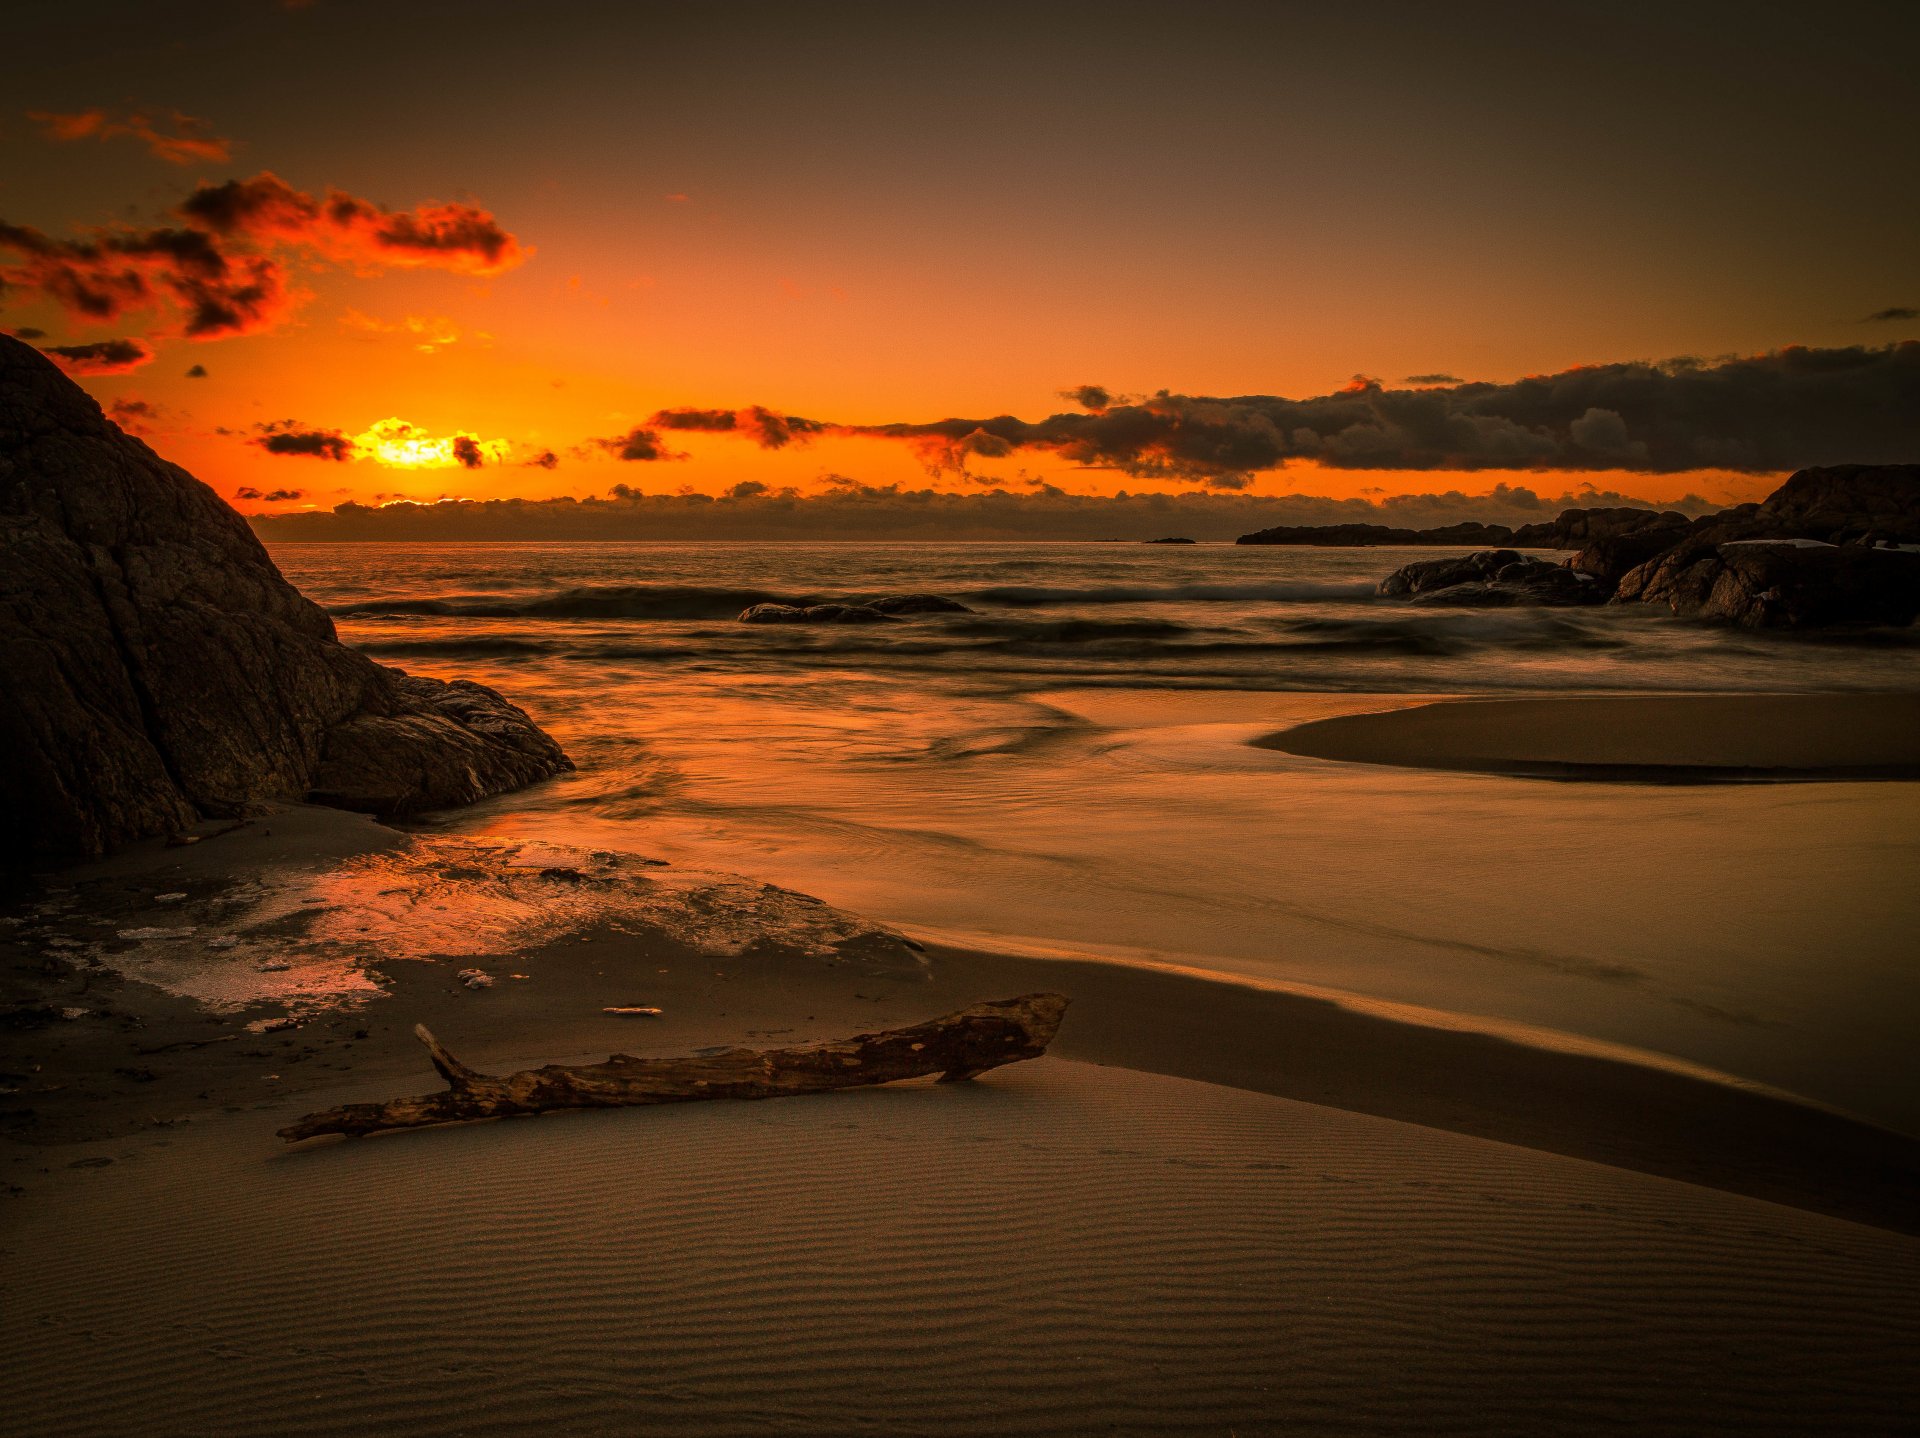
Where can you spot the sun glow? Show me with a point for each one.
(400, 445)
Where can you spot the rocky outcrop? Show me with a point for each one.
(1841, 504)
(1780, 584)
(160, 670)
(1494, 577)
(1360, 536)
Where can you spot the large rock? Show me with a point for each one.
(1840, 504)
(1493, 577)
(1780, 584)
(160, 670)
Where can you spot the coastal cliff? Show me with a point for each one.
(160, 670)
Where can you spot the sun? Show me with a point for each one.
(398, 444)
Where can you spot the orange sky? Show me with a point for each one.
(830, 220)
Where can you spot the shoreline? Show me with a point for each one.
(140, 1061)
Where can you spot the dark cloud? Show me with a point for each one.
(1433, 379)
(466, 449)
(271, 496)
(266, 209)
(135, 416)
(199, 371)
(177, 138)
(1760, 414)
(219, 269)
(118, 271)
(545, 459)
(764, 427)
(28, 332)
(286, 436)
(1893, 312)
(638, 443)
(102, 356)
(1089, 396)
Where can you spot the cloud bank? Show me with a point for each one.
(849, 510)
(1760, 414)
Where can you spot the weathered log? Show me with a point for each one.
(955, 1047)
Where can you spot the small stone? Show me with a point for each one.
(169, 898)
(475, 978)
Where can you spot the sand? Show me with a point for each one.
(1060, 1248)
(1668, 737)
(1218, 1207)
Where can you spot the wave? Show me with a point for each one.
(691, 601)
(605, 601)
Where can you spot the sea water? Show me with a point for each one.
(1066, 769)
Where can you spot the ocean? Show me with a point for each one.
(1066, 770)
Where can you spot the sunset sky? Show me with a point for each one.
(538, 227)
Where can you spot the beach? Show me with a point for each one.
(1223, 1202)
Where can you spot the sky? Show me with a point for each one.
(351, 253)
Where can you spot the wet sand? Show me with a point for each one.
(1635, 737)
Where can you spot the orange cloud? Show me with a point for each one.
(186, 140)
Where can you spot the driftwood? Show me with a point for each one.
(955, 1047)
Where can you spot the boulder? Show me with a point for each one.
(160, 670)
(1780, 584)
(1493, 577)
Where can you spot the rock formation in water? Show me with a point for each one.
(159, 670)
(1830, 547)
(1493, 577)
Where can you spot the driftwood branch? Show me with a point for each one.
(955, 1047)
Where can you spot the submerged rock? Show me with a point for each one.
(1493, 577)
(1780, 584)
(161, 671)
(917, 604)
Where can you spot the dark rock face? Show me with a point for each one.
(160, 670)
(1493, 577)
(1358, 536)
(1780, 585)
